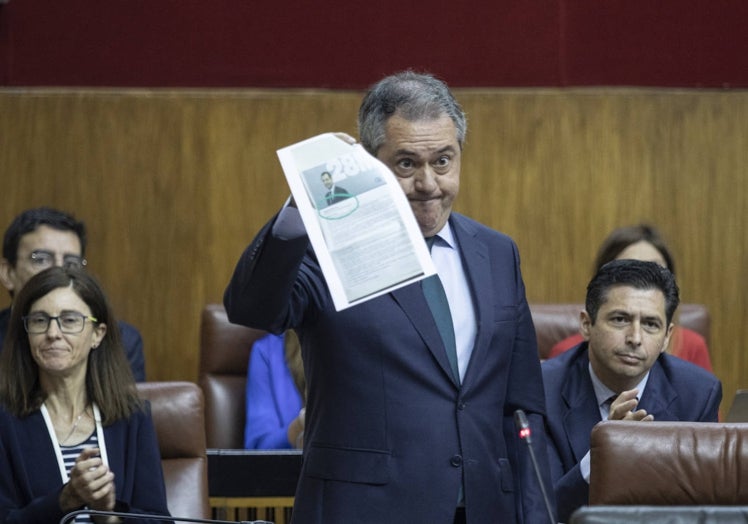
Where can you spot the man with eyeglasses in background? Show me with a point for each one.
(41, 238)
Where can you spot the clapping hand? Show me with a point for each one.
(92, 481)
(624, 405)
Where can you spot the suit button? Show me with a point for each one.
(456, 461)
(461, 406)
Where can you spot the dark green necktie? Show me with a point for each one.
(437, 300)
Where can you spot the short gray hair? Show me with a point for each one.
(414, 96)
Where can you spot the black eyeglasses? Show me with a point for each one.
(69, 322)
(42, 260)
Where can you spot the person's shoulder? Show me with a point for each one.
(565, 362)
(128, 331)
(139, 415)
(561, 374)
(678, 369)
(473, 227)
(8, 419)
(143, 410)
(128, 328)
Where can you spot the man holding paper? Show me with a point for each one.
(411, 394)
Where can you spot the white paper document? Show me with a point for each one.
(359, 221)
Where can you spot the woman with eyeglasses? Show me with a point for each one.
(73, 433)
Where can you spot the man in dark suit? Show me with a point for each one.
(620, 372)
(334, 193)
(397, 430)
(43, 237)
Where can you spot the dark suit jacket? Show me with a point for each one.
(131, 341)
(30, 481)
(338, 194)
(389, 433)
(676, 391)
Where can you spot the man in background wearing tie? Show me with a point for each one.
(409, 414)
(620, 372)
(44, 237)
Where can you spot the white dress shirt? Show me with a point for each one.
(602, 394)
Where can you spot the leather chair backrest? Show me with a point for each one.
(660, 515)
(668, 463)
(555, 322)
(177, 410)
(224, 357)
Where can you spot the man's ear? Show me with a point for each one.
(668, 336)
(585, 324)
(6, 274)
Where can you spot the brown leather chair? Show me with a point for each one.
(660, 515)
(224, 356)
(555, 322)
(177, 410)
(668, 463)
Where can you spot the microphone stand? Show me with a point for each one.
(70, 517)
(525, 434)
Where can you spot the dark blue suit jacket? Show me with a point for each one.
(338, 194)
(390, 434)
(131, 341)
(30, 481)
(676, 391)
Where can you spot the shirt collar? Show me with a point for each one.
(603, 392)
(446, 236)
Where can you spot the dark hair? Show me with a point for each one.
(622, 237)
(414, 96)
(29, 220)
(109, 381)
(633, 273)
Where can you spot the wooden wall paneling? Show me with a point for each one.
(173, 185)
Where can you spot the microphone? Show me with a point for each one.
(70, 517)
(525, 434)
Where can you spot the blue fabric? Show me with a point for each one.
(131, 341)
(273, 400)
(133, 344)
(390, 435)
(30, 481)
(676, 391)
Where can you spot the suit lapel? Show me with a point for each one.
(659, 394)
(477, 266)
(413, 303)
(582, 411)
